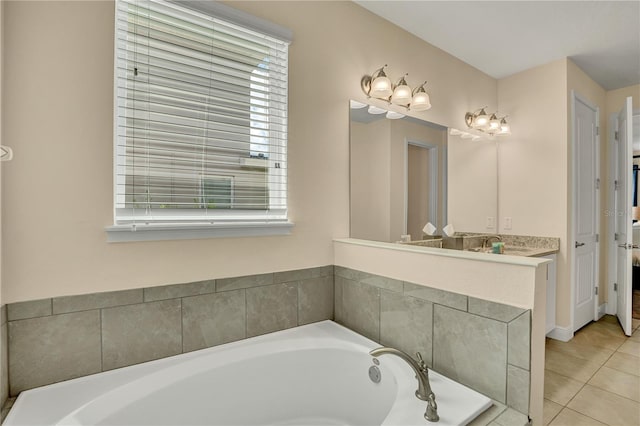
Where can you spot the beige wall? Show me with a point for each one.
(615, 98)
(472, 184)
(370, 180)
(58, 190)
(533, 163)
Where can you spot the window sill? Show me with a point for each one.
(191, 231)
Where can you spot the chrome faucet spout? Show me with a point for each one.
(419, 367)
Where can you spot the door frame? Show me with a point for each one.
(434, 193)
(612, 255)
(576, 97)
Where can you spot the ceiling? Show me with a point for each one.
(502, 38)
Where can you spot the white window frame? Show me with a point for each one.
(225, 223)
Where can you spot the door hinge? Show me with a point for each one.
(596, 290)
(597, 130)
(597, 238)
(615, 135)
(615, 286)
(615, 237)
(616, 185)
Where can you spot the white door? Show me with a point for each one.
(624, 234)
(585, 300)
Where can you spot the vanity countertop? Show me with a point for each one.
(526, 245)
(521, 251)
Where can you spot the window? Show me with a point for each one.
(201, 118)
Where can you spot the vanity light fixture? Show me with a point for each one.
(487, 123)
(377, 85)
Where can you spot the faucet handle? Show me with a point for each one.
(421, 362)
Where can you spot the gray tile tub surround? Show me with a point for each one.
(54, 348)
(103, 331)
(138, 333)
(482, 344)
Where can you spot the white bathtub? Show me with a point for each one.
(311, 375)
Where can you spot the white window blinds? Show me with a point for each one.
(201, 118)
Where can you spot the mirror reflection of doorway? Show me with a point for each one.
(421, 187)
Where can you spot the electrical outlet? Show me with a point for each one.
(507, 223)
(490, 222)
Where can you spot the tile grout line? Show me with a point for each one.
(181, 326)
(101, 342)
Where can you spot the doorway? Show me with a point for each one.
(421, 187)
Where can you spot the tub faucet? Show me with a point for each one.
(424, 391)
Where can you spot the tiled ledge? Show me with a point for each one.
(60, 338)
(458, 335)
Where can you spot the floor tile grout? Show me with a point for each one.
(584, 384)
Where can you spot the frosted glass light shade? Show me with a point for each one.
(481, 121)
(375, 110)
(392, 115)
(381, 87)
(401, 94)
(356, 105)
(421, 101)
(494, 123)
(505, 129)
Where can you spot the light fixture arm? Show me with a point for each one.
(419, 89)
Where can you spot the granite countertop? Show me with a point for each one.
(514, 245)
(529, 246)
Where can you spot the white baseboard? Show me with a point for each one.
(602, 310)
(561, 333)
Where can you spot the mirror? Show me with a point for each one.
(406, 172)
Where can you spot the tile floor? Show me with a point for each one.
(594, 379)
